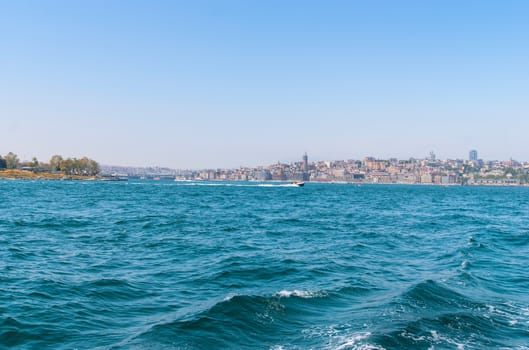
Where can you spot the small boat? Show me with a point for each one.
(299, 183)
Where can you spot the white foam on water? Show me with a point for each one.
(435, 336)
(320, 332)
(356, 342)
(337, 340)
(277, 185)
(298, 293)
(415, 338)
(525, 311)
(511, 313)
(229, 296)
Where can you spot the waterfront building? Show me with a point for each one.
(426, 178)
(375, 165)
(263, 175)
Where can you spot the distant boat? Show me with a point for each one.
(299, 183)
(114, 177)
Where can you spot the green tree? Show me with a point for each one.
(66, 166)
(3, 163)
(82, 166)
(34, 164)
(11, 160)
(93, 167)
(86, 166)
(55, 163)
(74, 166)
(524, 178)
(76, 170)
(509, 170)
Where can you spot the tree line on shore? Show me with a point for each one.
(57, 164)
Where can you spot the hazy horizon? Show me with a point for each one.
(223, 84)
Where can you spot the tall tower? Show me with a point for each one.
(305, 163)
(473, 155)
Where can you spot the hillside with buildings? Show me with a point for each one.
(430, 170)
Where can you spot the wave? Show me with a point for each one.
(29, 333)
(430, 314)
(15, 333)
(242, 320)
(357, 342)
(467, 329)
(113, 290)
(434, 295)
(299, 293)
(52, 223)
(233, 267)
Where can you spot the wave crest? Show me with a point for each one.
(300, 294)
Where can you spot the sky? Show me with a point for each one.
(227, 83)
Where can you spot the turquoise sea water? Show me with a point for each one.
(166, 265)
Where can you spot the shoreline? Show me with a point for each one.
(16, 174)
(415, 184)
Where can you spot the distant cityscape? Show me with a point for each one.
(429, 170)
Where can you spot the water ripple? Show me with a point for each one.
(148, 265)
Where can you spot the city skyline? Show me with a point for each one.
(472, 155)
(226, 84)
(304, 162)
(427, 171)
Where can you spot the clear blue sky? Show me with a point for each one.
(196, 84)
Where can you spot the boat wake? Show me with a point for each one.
(220, 184)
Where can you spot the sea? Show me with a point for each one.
(219, 265)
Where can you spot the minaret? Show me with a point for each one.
(305, 163)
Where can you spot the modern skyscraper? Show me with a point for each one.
(473, 155)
